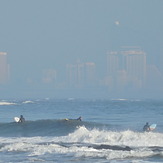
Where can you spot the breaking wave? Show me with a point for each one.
(93, 143)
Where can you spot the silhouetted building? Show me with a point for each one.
(135, 67)
(90, 74)
(81, 75)
(4, 68)
(126, 69)
(75, 75)
(49, 76)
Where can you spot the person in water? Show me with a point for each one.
(79, 119)
(146, 127)
(22, 119)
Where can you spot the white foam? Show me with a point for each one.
(27, 102)
(80, 144)
(7, 103)
(120, 99)
(128, 138)
(35, 149)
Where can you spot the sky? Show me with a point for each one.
(43, 34)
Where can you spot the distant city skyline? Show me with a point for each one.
(43, 38)
(126, 70)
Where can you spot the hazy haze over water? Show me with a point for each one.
(40, 35)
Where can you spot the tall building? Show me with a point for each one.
(90, 74)
(112, 64)
(81, 75)
(126, 68)
(75, 75)
(49, 76)
(4, 68)
(135, 67)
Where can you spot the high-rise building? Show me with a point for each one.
(90, 77)
(135, 67)
(4, 68)
(81, 75)
(75, 75)
(49, 76)
(116, 72)
(112, 63)
(126, 68)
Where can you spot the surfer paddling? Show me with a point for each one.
(79, 119)
(146, 127)
(22, 119)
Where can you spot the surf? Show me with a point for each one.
(47, 127)
(91, 143)
(55, 127)
(127, 137)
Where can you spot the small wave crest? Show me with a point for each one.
(28, 102)
(7, 103)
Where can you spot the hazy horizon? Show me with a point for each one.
(48, 35)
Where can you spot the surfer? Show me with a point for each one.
(79, 119)
(22, 119)
(146, 127)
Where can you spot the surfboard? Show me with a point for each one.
(16, 119)
(66, 119)
(152, 127)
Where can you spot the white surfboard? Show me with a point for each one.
(152, 127)
(16, 119)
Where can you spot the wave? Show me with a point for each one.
(55, 127)
(126, 138)
(28, 102)
(7, 103)
(4, 102)
(89, 143)
(42, 128)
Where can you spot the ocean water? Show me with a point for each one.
(110, 132)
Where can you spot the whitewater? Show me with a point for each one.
(111, 131)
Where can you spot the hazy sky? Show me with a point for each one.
(40, 34)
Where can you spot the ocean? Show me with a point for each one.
(110, 131)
